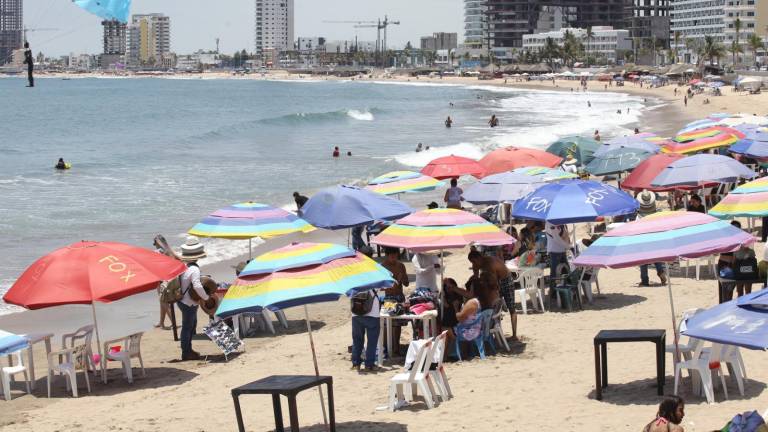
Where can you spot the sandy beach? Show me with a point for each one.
(547, 381)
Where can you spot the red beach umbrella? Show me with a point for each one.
(453, 166)
(510, 158)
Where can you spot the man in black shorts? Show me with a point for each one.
(503, 278)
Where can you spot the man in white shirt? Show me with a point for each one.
(558, 243)
(191, 251)
(425, 266)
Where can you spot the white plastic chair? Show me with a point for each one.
(130, 348)
(686, 349)
(586, 285)
(698, 262)
(703, 365)
(438, 374)
(529, 289)
(68, 362)
(9, 371)
(731, 356)
(83, 335)
(418, 377)
(496, 330)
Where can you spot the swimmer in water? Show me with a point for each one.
(335, 152)
(493, 122)
(448, 122)
(419, 148)
(61, 164)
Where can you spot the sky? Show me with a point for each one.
(195, 24)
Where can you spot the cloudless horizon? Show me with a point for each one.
(195, 24)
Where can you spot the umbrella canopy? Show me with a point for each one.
(107, 9)
(87, 272)
(296, 255)
(513, 185)
(702, 169)
(749, 199)
(572, 201)
(452, 167)
(755, 145)
(617, 161)
(248, 220)
(10, 343)
(640, 178)
(707, 132)
(635, 142)
(509, 158)
(314, 277)
(742, 322)
(663, 237)
(581, 148)
(441, 229)
(341, 207)
(398, 182)
(700, 144)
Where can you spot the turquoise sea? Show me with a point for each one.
(156, 155)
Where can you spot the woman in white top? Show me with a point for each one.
(453, 196)
(425, 266)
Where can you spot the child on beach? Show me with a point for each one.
(668, 418)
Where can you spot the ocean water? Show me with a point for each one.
(155, 156)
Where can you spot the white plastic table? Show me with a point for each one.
(428, 323)
(34, 338)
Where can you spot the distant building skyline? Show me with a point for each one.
(11, 28)
(148, 39)
(273, 27)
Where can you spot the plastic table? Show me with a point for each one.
(289, 386)
(601, 354)
(428, 325)
(34, 338)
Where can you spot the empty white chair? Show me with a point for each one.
(417, 377)
(531, 289)
(130, 348)
(9, 371)
(68, 362)
(81, 336)
(689, 347)
(731, 356)
(586, 284)
(704, 365)
(497, 331)
(438, 373)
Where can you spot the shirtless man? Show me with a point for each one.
(400, 275)
(502, 278)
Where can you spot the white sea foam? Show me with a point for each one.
(360, 115)
(420, 159)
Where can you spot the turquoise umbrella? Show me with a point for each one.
(617, 161)
(581, 148)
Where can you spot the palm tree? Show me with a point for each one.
(549, 51)
(571, 47)
(589, 35)
(676, 37)
(736, 47)
(712, 49)
(755, 44)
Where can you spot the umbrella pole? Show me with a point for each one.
(314, 360)
(672, 307)
(250, 251)
(96, 327)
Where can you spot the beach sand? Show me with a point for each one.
(546, 383)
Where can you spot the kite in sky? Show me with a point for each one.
(107, 9)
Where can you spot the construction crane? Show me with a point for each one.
(36, 30)
(380, 25)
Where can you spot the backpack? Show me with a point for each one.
(361, 303)
(745, 269)
(170, 291)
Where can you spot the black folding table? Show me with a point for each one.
(601, 354)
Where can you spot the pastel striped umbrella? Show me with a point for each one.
(749, 199)
(247, 220)
(663, 237)
(304, 273)
(437, 229)
(397, 182)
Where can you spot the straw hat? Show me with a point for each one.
(570, 160)
(192, 250)
(647, 200)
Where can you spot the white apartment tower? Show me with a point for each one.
(149, 39)
(691, 20)
(274, 27)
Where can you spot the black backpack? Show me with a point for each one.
(361, 303)
(745, 269)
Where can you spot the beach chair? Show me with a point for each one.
(437, 373)
(418, 377)
(130, 348)
(478, 342)
(487, 336)
(84, 336)
(496, 329)
(692, 345)
(68, 362)
(734, 363)
(586, 284)
(9, 371)
(703, 366)
(529, 289)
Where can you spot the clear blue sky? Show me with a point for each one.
(196, 24)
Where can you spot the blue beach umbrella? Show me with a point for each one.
(107, 9)
(512, 185)
(742, 322)
(633, 142)
(581, 148)
(755, 145)
(340, 207)
(10, 343)
(702, 169)
(572, 201)
(617, 161)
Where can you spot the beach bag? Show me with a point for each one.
(745, 269)
(361, 303)
(170, 291)
(750, 421)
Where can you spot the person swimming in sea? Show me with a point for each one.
(61, 165)
(448, 122)
(493, 122)
(419, 148)
(336, 152)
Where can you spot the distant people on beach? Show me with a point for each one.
(448, 122)
(300, 200)
(589, 104)
(453, 196)
(669, 416)
(450, 104)
(61, 165)
(493, 122)
(30, 62)
(336, 152)
(596, 136)
(685, 100)
(161, 247)
(419, 148)
(349, 153)
(637, 131)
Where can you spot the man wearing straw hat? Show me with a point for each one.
(191, 251)
(647, 200)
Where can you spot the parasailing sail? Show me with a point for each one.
(107, 9)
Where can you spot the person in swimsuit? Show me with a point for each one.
(395, 292)
(335, 152)
(448, 122)
(498, 278)
(669, 417)
(453, 196)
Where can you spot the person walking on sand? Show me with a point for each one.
(30, 62)
(191, 251)
(589, 104)
(685, 100)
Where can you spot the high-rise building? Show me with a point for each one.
(114, 37)
(691, 20)
(648, 25)
(148, 39)
(752, 18)
(11, 28)
(274, 28)
(440, 41)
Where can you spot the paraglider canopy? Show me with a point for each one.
(107, 9)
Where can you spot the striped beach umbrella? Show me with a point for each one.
(749, 199)
(397, 182)
(303, 273)
(707, 132)
(248, 220)
(437, 229)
